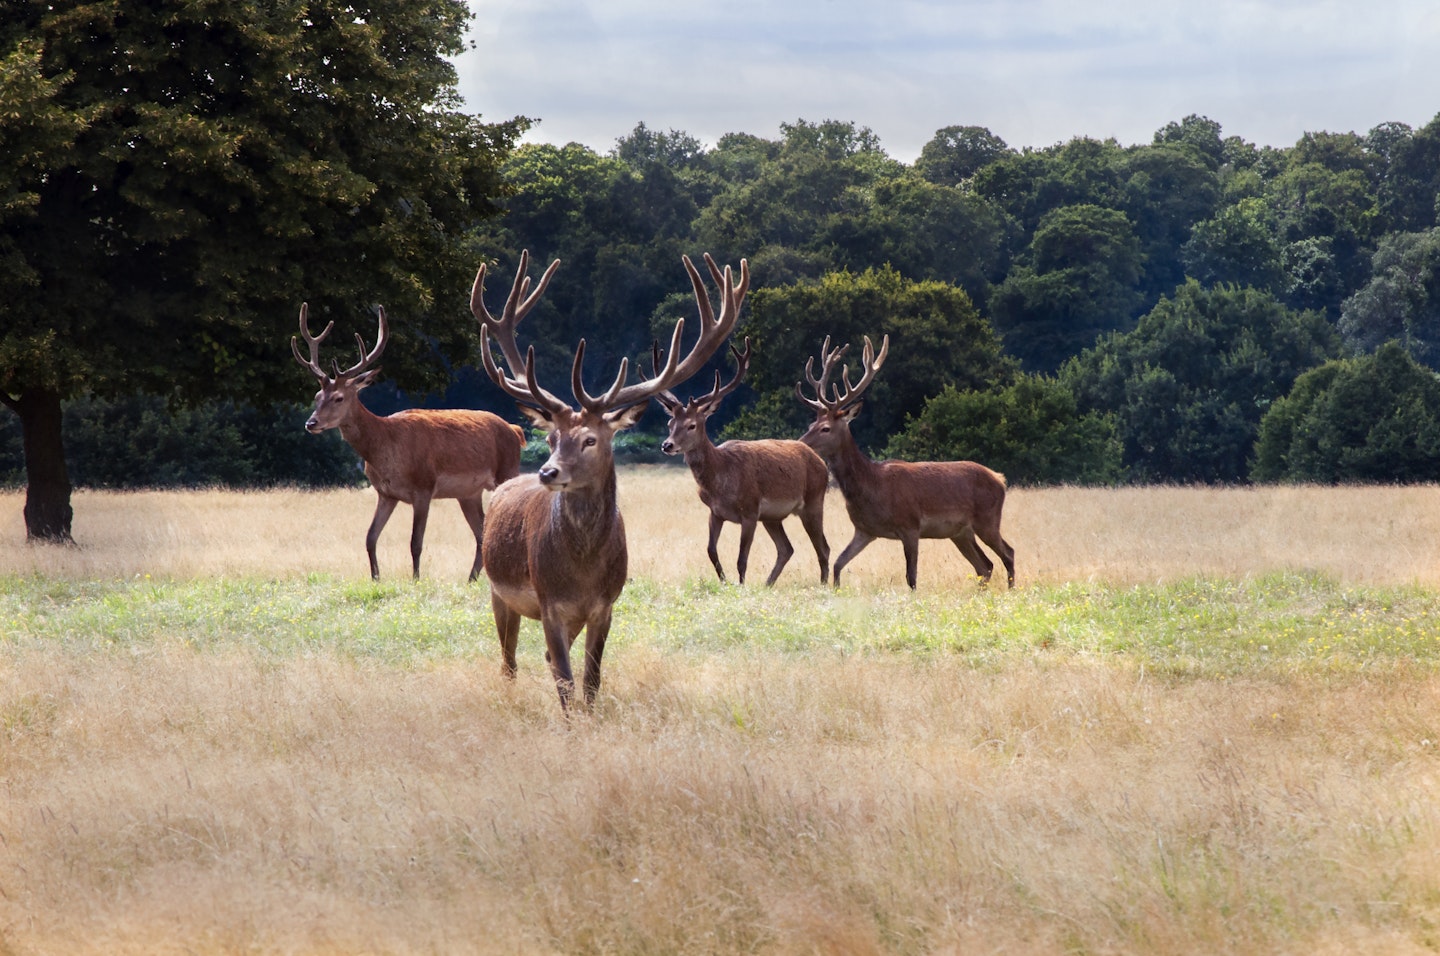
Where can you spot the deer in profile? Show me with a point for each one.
(746, 482)
(555, 541)
(415, 455)
(959, 500)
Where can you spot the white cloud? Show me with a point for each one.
(1034, 71)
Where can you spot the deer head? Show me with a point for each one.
(687, 419)
(338, 394)
(834, 409)
(581, 438)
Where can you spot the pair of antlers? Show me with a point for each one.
(828, 397)
(367, 360)
(713, 331)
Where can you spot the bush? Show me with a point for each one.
(1375, 418)
(1031, 431)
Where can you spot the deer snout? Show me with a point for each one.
(667, 446)
(549, 476)
(313, 426)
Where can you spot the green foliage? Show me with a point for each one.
(143, 442)
(956, 153)
(1031, 430)
(1402, 299)
(1078, 280)
(937, 338)
(1373, 418)
(1190, 383)
(1238, 245)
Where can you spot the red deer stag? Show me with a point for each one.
(414, 455)
(959, 500)
(749, 481)
(555, 542)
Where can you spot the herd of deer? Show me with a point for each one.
(553, 546)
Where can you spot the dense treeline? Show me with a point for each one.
(1085, 312)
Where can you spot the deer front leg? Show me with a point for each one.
(596, 631)
(856, 545)
(910, 540)
(716, 523)
(384, 508)
(474, 512)
(417, 530)
(813, 520)
(747, 536)
(507, 627)
(558, 637)
(783, 549)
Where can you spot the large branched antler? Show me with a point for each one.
(713, 332)
(828, 396)
(717, 394)
(313, 341)
(520, 383)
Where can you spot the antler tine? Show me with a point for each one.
(606, 401)
(313, 341)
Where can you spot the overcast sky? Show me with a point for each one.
(1035, 72)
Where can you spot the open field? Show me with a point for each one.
(1207, 721)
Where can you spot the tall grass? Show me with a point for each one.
(1207, 722)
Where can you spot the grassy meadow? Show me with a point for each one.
(1205, 721)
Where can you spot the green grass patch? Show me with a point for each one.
(1200, 627)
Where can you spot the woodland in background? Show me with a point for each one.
(1086, 312)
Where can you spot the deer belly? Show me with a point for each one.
(462, 486)
(519, 598)
(942, 527)
(778, 507)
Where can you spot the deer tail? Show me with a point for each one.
(519, 433)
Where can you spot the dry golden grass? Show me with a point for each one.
(160, 798)
(1366, 535)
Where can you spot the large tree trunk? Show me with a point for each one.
(47, 479)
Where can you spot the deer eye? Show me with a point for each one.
(825, 428)
(589, 440)
(692, 426)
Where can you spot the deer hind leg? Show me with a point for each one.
(813, 520)
(783, 549)
(747, 536)
(474, 513)
(716, 523)
(856, 545)
(384, 508)
(417, 531)
(507, 627)
(983, 566)
(1007, 554)
(596, 631)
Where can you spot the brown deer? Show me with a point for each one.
(749, 481)
(415, 455)
(555, 542)
(959, 500)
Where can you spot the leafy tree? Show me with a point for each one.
(1190, 383)
(937, 338)
(225, 162)
(1237, 246)
(1409, 176)
(1031, 430)
(955, 153)
(1329, 220)
(1077, 280)
(1373, 418)
(1402, 299)
(1200, 135)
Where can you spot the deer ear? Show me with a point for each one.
(848, 414)
(365, 378)
(626, 417)
(538, 417)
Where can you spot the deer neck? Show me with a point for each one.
(361, 429)
(701, 458)
(853, 469)
(586, 516)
